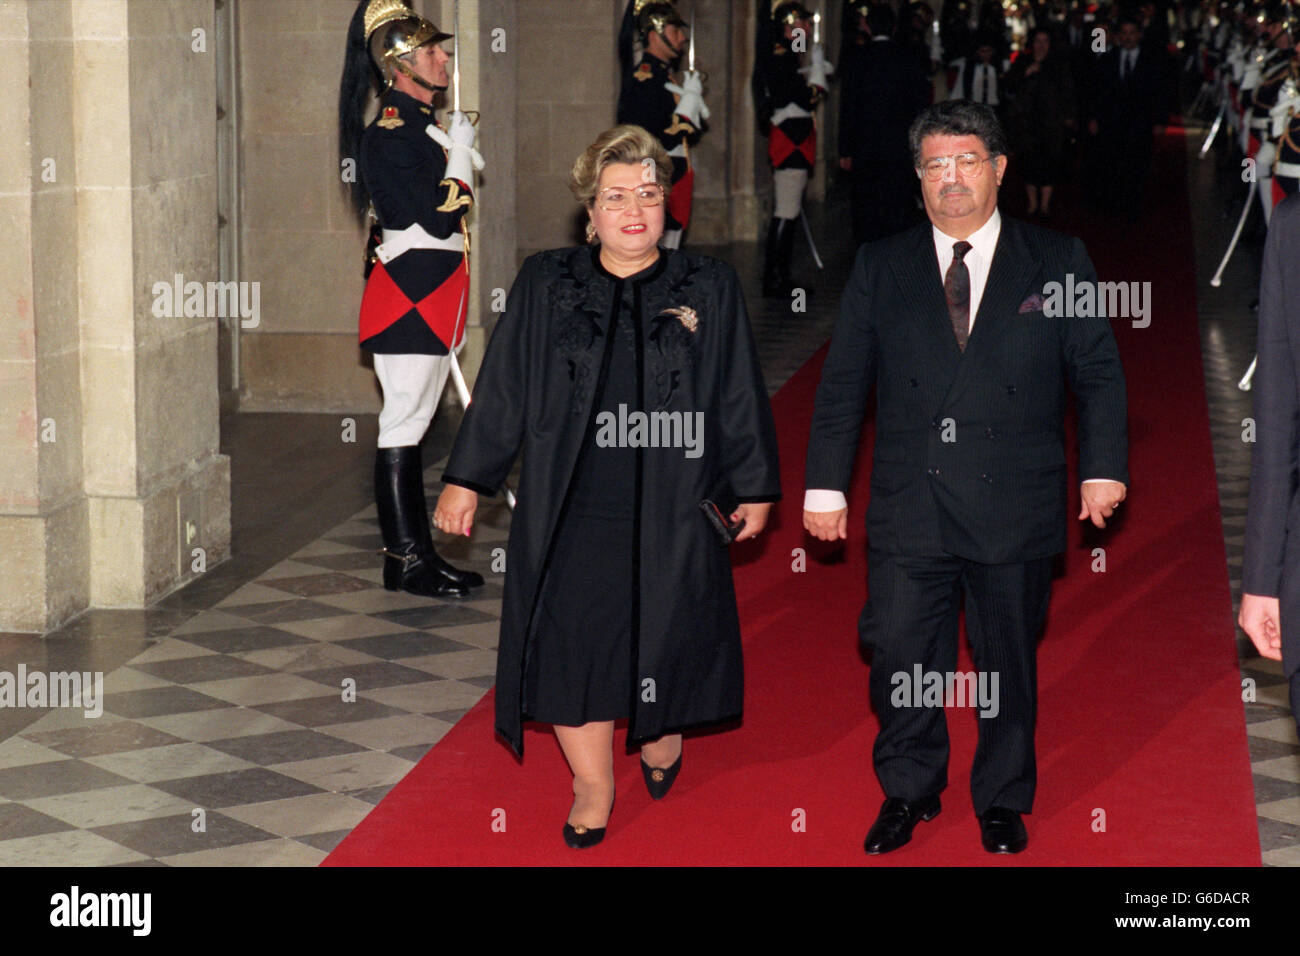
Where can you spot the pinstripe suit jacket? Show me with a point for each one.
(969, 457)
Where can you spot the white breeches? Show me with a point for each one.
(412, 386)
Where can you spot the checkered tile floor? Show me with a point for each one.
(235, 739)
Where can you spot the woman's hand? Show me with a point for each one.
(455, 511)
(755, 515)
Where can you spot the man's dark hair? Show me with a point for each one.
(880, 20)
(958, 118)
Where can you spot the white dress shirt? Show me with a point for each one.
(979, 257)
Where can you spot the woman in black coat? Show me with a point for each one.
(627, 376)
(1040, 115)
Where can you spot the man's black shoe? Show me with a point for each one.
(1002, 830)
(893, 827)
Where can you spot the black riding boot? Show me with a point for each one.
(404, 520)
(776, 282)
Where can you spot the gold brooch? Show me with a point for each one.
(657, 776)
(580, 829)
(686, 316)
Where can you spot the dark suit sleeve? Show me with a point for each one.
(748, 433)
(1097, 380)
(492, 430)
(1273, 465)
(847, 377)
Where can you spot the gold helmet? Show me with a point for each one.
(392, 31)
(789, 12)
(653, 16)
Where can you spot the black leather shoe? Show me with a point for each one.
(581, 837)
(1002, 831)
(893, 827)
(659, 781)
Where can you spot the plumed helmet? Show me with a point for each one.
(393, 30)
(653, 16)
(789, 12)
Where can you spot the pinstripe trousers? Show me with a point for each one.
(910, 619)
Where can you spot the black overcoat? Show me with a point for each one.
(535, 393)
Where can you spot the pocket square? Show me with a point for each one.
(1032, 304)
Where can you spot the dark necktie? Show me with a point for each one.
(956, 289)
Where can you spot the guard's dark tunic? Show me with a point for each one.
(414, 303)
(792, 143)
(646, 102)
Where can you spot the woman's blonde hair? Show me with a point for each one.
(621, 144)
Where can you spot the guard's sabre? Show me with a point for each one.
(817, 28)
(690, 54)
(1245, 382)
(1214, 130)
(1241, 224)
(455, 54)
(811, 245)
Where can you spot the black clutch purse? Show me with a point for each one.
(718, 507)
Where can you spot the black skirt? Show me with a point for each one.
(579, 664)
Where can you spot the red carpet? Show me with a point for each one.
(1141, 743)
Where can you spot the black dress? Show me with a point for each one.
(580, 666)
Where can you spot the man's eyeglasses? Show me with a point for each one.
(618, 198)
(968, 164)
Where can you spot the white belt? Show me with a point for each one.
(789, 111)
(398, 241)
(679, 151)
(1260, 122)
(1287, 170)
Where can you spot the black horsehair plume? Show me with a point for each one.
(627, 37)
(359, 78)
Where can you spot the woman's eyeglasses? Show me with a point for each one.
(618, 198)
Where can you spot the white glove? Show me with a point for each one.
(690, 105)
(819, 70)
(459, 144)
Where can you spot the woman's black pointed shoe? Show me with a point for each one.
(581, 837)
(660, 780)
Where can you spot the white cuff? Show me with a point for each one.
(824, 499)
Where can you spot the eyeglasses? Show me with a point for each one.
(618, 198)
(968, 164)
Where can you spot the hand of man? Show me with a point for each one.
(1261, 620)
(846, 163)
(755, 516)
(827, 525)
(455, 511)
(1092, 127)
(1100, 499)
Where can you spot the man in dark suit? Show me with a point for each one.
(881, 90)
(1126, 109)
(1270, 582)
(968, 482)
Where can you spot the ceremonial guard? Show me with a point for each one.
(785, 94)
(650, 98)
(415, 185)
